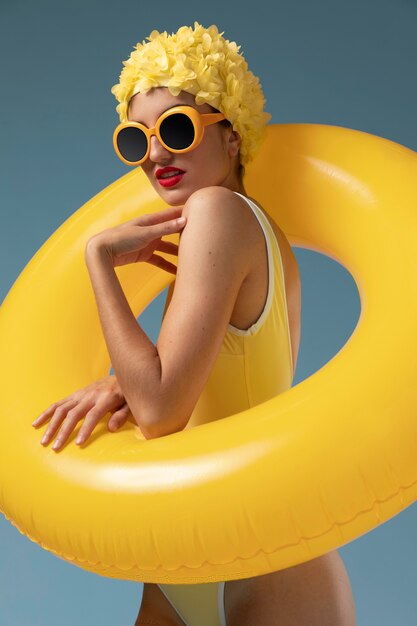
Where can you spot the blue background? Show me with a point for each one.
(346, 63)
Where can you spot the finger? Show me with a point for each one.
(159, 261)
(167, 246)
(92, 418)
(45, 415)
(118, 418)
(56, 421)
(41, 419)
(72, 418)
(148, 219)
(165, 228)
(171, 213)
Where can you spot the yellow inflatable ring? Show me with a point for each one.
(273, 486)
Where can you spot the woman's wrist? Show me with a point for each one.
(95, 248)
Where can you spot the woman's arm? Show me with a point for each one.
(162, 383)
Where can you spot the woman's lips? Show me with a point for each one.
(170, 181)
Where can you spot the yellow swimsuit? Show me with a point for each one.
(252, 366)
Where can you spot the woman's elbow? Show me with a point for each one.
(159, 423)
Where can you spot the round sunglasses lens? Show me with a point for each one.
(177, 131)
(132, 143)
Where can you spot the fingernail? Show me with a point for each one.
(44, 439)
(56, 445)
(181, 220)
(79, 439)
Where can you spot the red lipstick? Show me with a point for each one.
(168, 179)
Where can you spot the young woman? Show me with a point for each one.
(191, 115)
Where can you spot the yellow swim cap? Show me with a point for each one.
(202, 62)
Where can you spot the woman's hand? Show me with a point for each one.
(92, 403)
(137, 239)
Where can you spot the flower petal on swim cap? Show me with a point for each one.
(202, 62)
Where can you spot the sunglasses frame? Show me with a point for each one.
(198, 120)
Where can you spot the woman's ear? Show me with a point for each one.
(234, 141)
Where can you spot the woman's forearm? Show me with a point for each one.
(133, 356)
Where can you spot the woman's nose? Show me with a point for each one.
(157, 152)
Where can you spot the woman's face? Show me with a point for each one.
(213, 162)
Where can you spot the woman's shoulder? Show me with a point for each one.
(222, 218)
(219, 202)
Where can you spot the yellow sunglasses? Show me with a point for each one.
(179, 129)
